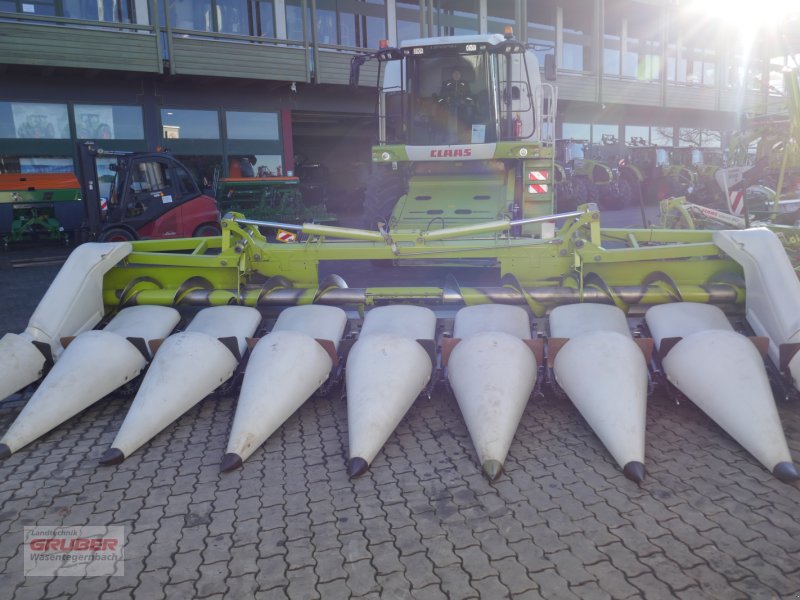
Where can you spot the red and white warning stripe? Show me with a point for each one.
(736, 202)
(285, 236)
(537, 188)
(538, 175)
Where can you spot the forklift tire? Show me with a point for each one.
(116, 234)
(207, 230)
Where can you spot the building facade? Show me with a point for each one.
(219, 80)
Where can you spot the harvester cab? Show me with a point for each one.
(465, 134)
(140, 195)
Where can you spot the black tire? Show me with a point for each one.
(580, 191)
(384, 189)
(610, 198)
(116, 234)
(565, 198)
(626, 191)
(592, 192)
(207, 230)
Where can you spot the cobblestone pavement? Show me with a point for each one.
(563, 522)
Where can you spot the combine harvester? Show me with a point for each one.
(479, 286)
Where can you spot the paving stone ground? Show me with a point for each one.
(708, 522)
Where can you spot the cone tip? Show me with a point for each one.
(5, 451)
(230, 462)
(357, 466)
(786, 471)
(492, 469)
(634, 471)
(112, 456)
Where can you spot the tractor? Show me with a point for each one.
(647, 173)
(39, 206)
(592, 180)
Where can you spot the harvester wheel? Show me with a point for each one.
(116, 234)
(384, 189)
(207, 230)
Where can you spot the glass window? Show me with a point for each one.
(105, 122)
(599, 130)
(500, 14)
(575, 131)
(255, 165)
(455, 17)
(710, 138)
(181, 123)
(688, 136)
(691, 54)
(202, 168)
(661, 136)
(114, 11)
(32, 7)
(637, 134)
(294, 20)
(232, 16)
(745, 71)
(252, 125)
(354, 23)
(408, 20)
(361, 24)
(265, 18)
(151, 176)
(642, 58)
(577, 36)
(32, 120)
(191, 14)
(326, 22)
(35, 164)
(612, 40)
(542, 28)
(224, 16)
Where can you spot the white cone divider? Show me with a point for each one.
(723, 373)
(386, 370)
(492, 373)
(773, 290)
(72, 304)
(481, 318)
(285, 368)
(21, 363)
(604, 373)
(95, 364)
(187, 367)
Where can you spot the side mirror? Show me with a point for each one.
(550, 67)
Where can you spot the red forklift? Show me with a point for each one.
(148, 195)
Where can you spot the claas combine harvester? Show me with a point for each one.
(467, 277)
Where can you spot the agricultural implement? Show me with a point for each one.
(467, 278)
(269, 199)
(600, 314)
(39, 206)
